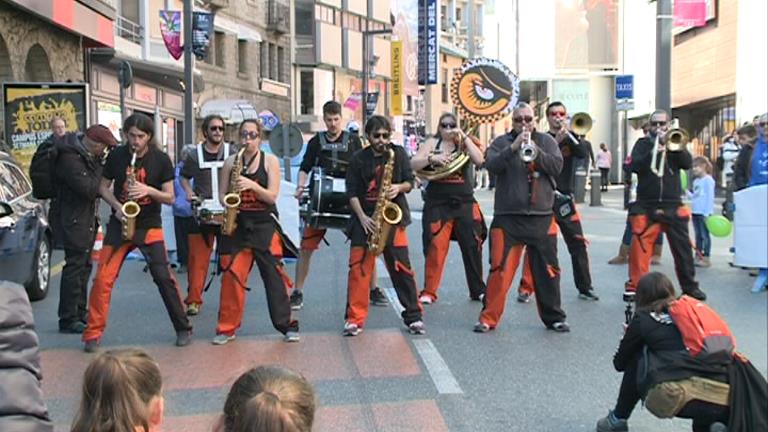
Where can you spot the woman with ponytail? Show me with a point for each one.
(269, 399)
(122, 392)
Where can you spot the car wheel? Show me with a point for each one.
(37, 287)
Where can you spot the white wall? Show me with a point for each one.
(751, 60)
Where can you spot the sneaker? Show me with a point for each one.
(417, 328)
(91, 346)
(222, 339)
(291, 336)
(482, 327)
(697, 294)
(425, 299)
(183, 338)
(77, 327)
(589, 295)
(559, 327)
(193, 309)
(610, 423)
(297, 300)
(351, 329)
(703, 262)
(523, 298)
(477, 298)
(378, 298)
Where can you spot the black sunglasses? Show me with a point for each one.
(216, 128)
(658, 123)
(448, 125)
(384, 135)
(526, 119)
(250, 135)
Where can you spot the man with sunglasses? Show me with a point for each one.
(331, 150)
(572, 147)
(203, 166)
(659, 207)
(523, 219)
(364, 183)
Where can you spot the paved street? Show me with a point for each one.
(520, 377)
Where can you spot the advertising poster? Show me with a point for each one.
(108, 114)
(397, 78)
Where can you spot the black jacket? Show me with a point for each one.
(742, 168)
(572, 153)
(652, 191)
(22, 408)
(73, 214)
(515, 195)
(655, 331)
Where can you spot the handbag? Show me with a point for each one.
(563, 206)
(666, 399)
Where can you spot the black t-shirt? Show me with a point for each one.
(202, 176)
(571, 152)
(332, 156)
(154, 169)
(364, 178)
(457, 186)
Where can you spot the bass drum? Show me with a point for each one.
(327, 205)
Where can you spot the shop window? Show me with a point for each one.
(242, 56)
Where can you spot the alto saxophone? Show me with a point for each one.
(131, 209)
(386, 214)
(232, 200)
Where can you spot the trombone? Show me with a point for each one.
(675, 141)
(581, 124)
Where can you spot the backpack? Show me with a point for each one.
(42, 169)
(704, 332)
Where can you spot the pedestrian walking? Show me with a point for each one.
(702, 206)
(604, 162)
(140, 174)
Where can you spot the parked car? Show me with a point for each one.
(25, 236)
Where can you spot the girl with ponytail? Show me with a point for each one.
(269, 399)
(122, 392)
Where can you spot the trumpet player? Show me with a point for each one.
(572, 146)
(147, 182)
(365, 178)
(255, 239)
(659, 205)
(450, 209)
(525, 162)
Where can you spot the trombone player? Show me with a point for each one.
(657, 159)
(450, 208)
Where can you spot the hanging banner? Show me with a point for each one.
(397, 77)
(353, 101)
(202, 28)
(690, 13)
(170, 28)
(428, 42)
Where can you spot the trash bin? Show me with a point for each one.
(594, 193)
(580, 185)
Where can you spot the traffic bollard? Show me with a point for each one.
(594, 193)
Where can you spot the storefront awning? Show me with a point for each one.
(232, 110)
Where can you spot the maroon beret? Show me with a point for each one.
(101, 134)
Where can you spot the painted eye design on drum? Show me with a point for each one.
(483, 92)
(476, 93)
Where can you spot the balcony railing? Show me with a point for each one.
(129, 30)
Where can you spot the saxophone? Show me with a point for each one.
(131, 209)
(386, 214)
(232, 200)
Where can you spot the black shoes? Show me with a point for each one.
(91, 346)
(378, 298)
(559, 327)
(297, 300)
(697, 294)
(183, 337)
(589, 295)
(77, 327)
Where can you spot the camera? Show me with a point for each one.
(628, 296)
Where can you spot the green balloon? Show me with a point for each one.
(719, 226)
(684, 179)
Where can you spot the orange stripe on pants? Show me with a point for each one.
(200, 247)
(233, 285)
(434, 264)
(110, 262)
(503, 268)
(644, 234)
(361, 264)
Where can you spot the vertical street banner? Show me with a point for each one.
(690, 13)
(170, 28)
(202, 28)
(428, 42)
(30, 107)
(397, 78)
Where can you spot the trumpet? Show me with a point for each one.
(675, 141)
(528, 151)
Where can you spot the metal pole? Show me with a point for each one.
(471, 29)
(663, 54)
(189, 119)
(366, 65)
(286, 158)
(122, 102)
(517, 37)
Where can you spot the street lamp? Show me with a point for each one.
(367, 66)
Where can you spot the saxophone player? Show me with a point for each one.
(255, 238)
(365, 177)
(450, 209)
(525, 163)
(152, 186)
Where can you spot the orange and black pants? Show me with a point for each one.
(361, 266)
(446, 221)
(647, 223)
(510, 235)
(201, 241)
(111, 260)
(263, 247)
